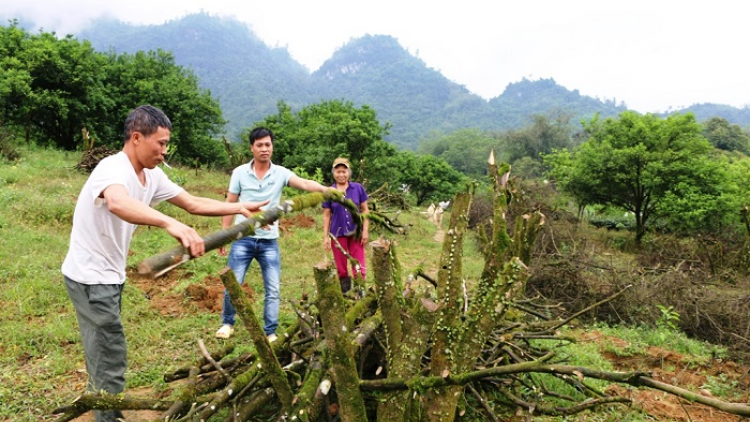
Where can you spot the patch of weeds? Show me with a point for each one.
(9, 179)
(620, 341)
(177, 175)
(638, 338)
(8, 149)
(583, 354)
(722, 386)
(140, 376)
(8, 197)
(669, 319)
(44, 210)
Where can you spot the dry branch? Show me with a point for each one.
(741, 409)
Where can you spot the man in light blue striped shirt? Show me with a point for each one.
(262, 180)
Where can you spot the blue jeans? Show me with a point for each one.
(266, 252)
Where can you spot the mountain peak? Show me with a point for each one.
(374, 51)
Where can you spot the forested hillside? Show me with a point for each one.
(706, 111)
(246, 76)
(415, 99)
(249, 78)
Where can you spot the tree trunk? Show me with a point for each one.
(407, 326)
(244, 309)
(341, 353)
(441, 403)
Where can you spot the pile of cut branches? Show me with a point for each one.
(91, 157)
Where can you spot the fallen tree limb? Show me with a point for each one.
(104, 401)
(202, 364)
(636, 379)
(341, 352)
(741, 409)
(535, 408)
(483, 402)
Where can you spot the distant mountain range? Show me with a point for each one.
(249, 78)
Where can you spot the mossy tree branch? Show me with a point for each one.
(159, 263)
(106, 401)
(340, 349)
(390, 300)
(304, 403)
(271, 365)
(441, 404)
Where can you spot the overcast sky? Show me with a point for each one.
(653, 55)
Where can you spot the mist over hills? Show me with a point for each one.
(249, 78)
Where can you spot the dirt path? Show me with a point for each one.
(439, 235)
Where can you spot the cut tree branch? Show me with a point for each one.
(159, 264)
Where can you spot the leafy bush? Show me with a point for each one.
(8, 150)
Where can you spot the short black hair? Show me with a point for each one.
(258, 133)
(145, 119)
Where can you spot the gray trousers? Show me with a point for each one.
(98, 311)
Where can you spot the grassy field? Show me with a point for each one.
(41, 358)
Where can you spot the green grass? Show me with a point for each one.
(41, 358)
(639, 338)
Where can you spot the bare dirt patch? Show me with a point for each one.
(679, 370)
(296, 220)
(206, 295)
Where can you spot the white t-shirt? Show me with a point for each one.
(100, 240)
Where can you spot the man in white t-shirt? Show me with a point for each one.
(117, 198)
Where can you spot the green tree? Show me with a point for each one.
(53, 88)
(49, 85)
(15, 80)
(652, 167)
(466, 150)
(725, 136)
(429, 178)
(315, 135)
(543, 135)
(153, 78)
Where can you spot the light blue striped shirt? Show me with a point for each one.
(246, 184)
